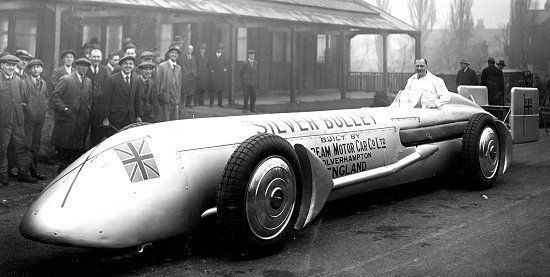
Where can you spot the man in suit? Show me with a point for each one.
(201, 82)
(493, 79)
(189, 74)
(218, 67)
(249, 79)
(147, 92)
(112, 62)
(71, 100)
(98, 75)
(67, 68)
(12, 122)
(120, 95)
(24, 58)
(501, 64)
(168, 79)
(35, 106)
(466, 76)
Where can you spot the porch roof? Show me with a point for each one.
(350, 13)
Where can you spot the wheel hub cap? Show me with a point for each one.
(488, 153)
(270, 197)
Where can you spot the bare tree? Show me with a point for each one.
(519, 33)
(423, 15)
(461, 27)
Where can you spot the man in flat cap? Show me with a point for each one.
(71, 101)
(147, 92)
(121, 96)
(12, 122)
(201, 83)
(24, 58)
(98, 75)
(188, 75)
(249, 79)
(146, 56)
(168, 80)
(501, 64)
(493, 79)
(35, 106)
(466, 76)
(66, 68)
(219, 65)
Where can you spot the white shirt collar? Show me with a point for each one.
(9, 77)
(68, 69)
(124, 75)
(110, 67)
(172, 63)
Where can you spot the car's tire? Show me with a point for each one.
(480, 152)
(259, 195)
(132, 125)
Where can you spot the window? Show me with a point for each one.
(165, 37)
(25, 32)
(90, 31)
(321, 48)
(242, 44)
(113, 41)
(4, 26)
(281, 46)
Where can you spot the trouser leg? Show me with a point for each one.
(253, 98)
(174, 113)
(11, 158)
(21, 149)
(220, 97)
(5, 136)
(246, 94)
(211, 93)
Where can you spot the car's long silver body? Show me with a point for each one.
(94, 202)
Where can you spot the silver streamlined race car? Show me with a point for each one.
(261, 175)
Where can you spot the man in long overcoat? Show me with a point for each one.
(98, 75)
(147, 92)
(71, 101)
(466, 76)
(250, 78)
(121, 96)
(201, 83)
(493, 79)
(35, 105)
(67, 57)
(168, 81)
(219, 65)
(12, 122)
(188, 75)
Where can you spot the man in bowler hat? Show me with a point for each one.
(168, 80)
(249, 79)
(493, 79)
(466, 76)
(219, 65)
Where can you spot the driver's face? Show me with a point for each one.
(420, 67)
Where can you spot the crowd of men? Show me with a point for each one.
(91, 100)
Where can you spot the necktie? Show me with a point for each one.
(127, 81)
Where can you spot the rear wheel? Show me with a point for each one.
(480, 152)
(258, 198)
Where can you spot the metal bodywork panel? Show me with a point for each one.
(101, 200)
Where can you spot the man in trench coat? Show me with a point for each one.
(71, 101)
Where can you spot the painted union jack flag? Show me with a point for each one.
(138, 160)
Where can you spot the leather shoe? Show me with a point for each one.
(220, 105)
(12, 174)
(38, 176)
(25, 178)
(4, 179)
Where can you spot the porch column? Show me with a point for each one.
(344, 64)
(417, 45)
(233, 57)
(385, 62)
(293, 64)
(57, 35)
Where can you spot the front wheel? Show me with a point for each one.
(259, 196)
(480, 152)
